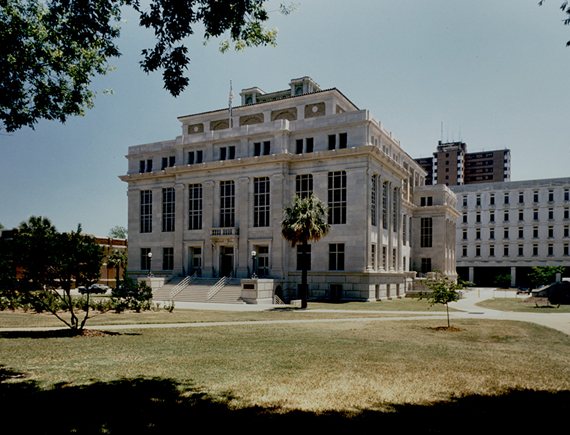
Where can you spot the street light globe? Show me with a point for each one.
(253, 253)
(150, 255)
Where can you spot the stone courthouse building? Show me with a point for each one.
(205, 200)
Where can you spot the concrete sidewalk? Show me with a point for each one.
(558, 321)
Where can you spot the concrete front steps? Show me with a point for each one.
(198, 292)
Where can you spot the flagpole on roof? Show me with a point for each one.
(230, 105)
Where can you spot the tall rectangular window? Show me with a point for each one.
(300, 257)
(550, 195)
(342, 140)
(426, 233)
(337, 197)
(336, 256)
(332, 141)
(227, 203)
(506, 197)
(168, 209)
(492, 199)
(167, 258)
(309, 145)
(145, 259)
(299, 146)
(395, 211)
(373, 256)
(491, 250)
(426, 265)
(404, 232)
(303, 185)
(146, 211)
(195, 207)
(505, 250)
(373, 210)
(384, 259)
(261, 202)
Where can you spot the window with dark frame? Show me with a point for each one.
(300, 257)
(146, 211)
(261, 202)
(337, 197)
(336, 256)
(303, 185)
(168, 207)
(227, 204)
(167, 258)
(195, 207)
(426, 232)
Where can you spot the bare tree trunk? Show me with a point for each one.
(305, 266)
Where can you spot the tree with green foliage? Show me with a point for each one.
(130, 294)
(305, 220)
(544, 275)
(51, 50)
(118, 260)
(118, 232)
(443, 290)
(503, 281)
(564, 7)
(52, 263)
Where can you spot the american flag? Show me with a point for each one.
(230, 103)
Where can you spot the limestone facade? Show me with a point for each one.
(208, 198)
(507, 228)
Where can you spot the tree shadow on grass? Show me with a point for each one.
(63, 333)
(157, 406)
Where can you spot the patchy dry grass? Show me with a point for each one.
(19, 319)
(312, 366)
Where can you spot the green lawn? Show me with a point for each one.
(518, 305)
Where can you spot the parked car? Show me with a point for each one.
(95, 289)
(522, 289)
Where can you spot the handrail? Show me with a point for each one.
(182, 285)
(277, 300)
(217, 287)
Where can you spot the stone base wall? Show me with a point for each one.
(367, 287)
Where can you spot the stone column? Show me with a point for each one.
(278, 201)
(513, 276)
(471, 274)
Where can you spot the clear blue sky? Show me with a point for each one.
(494, 72)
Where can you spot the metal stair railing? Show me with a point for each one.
(182, 285)
(277, 300)
(217, 287)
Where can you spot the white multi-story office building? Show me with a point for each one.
(507, 228)
(208, 198)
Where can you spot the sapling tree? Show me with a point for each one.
(443, 290)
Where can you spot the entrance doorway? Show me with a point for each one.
(195, 260)
(226, 260)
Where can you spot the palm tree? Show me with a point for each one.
(304, 221)
(117, 259)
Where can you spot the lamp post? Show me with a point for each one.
(149, 264)
(253, 256)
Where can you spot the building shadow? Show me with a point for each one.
(164, 406)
